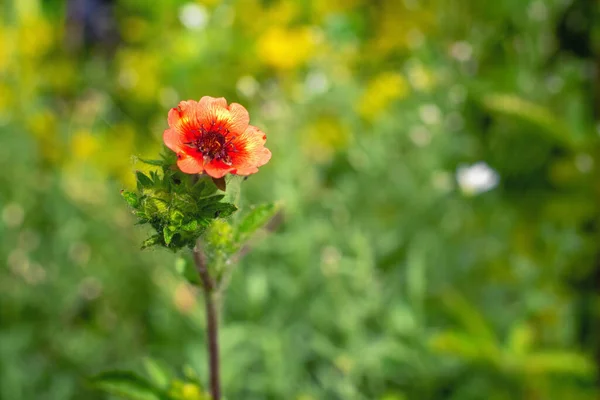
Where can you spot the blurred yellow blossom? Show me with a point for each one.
(187, 391)
(35, 37)
(286, 48)
(7, 45)
(5, 97)
(277, 14)
(43, 126)
(60, 74)
(421, 78)
(135, 29)
(380, 92)
(400, 26)
(138, 72)
(324, 9)
(324, 137)
(84, 145)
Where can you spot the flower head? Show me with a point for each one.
(213, 137)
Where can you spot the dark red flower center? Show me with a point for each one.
(213, 143)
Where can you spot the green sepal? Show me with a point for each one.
(168, 233)
(143, 181)
(204, 188)
(158, 163)
(178, 206)
(131, 198)
(176, 217)
(216, 210)
(190, 226)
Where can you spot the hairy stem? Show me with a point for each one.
(212, 321)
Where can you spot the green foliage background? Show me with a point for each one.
(388, 279)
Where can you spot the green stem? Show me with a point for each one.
(212, 321)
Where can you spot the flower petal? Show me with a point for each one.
(248, 169)
(250, 151)
(172, 139)
(217, 169)
(217, 102)
(189, 164)
(214, 111)
(239, 118)
(174, 117)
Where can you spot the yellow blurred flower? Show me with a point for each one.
(187, 391)
(420, 77)
(138, 72)
(324, 137)
(280, 13)
(84, 145)
(115, 155)
(324, 9)
(7, 45)
(286, 48)
(61, 74)
(401, 26)
(380, 92)
(35, 37)
(134, 29)
(5, 96)
(43, 126)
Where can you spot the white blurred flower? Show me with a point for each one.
(420, 136)
(538, 11)
(193, 16)
(317, 83)
(584, 162)
(476, 178)
(13, 215)
(462, 51)
(430, 114)
(247, 86)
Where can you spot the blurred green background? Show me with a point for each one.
(437, 163)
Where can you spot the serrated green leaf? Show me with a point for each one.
(168, 156)
(176, 217)
(151, 241)
(257, 218)
(158, 163)
(168, 233)
(155, 205)
(190, 226)
(158, 374)
(184, 202)
(131, 198)
(217, 210)
(213, 199)
(198, 187)
(143, 181)
(154, 177)
(127, 385)
(205, 188)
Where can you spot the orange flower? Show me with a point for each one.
(210, 136)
